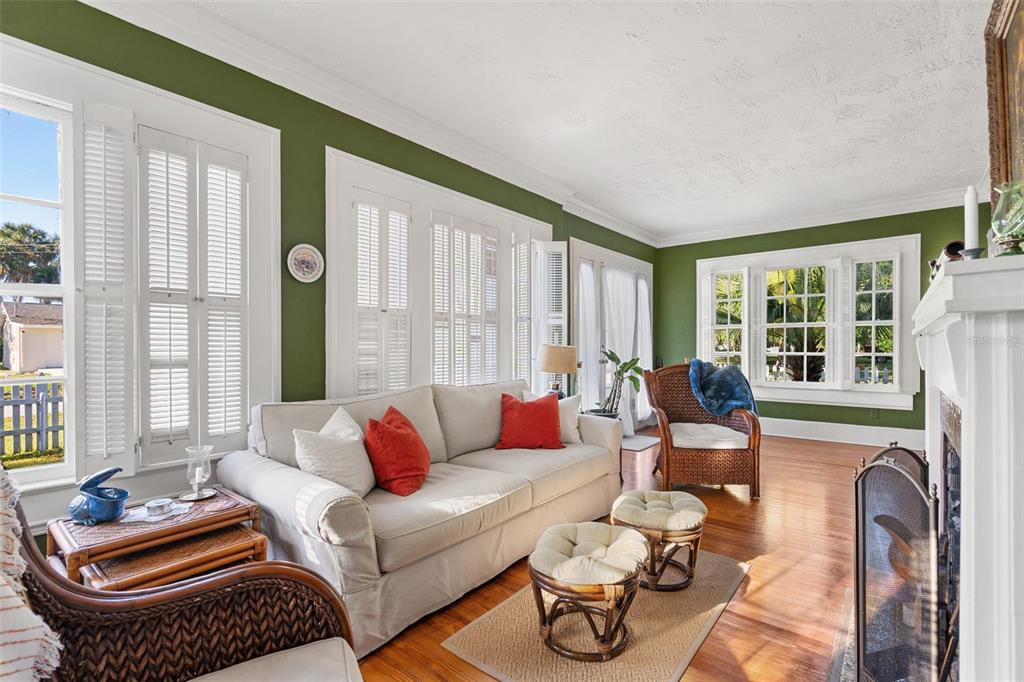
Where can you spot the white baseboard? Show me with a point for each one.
(856, 434)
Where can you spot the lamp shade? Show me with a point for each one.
(557, 359)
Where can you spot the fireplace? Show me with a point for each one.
(900, 604)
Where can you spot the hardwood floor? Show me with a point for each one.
(782, 623)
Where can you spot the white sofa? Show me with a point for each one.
(395, 559)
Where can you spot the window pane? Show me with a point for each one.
(29, 156)
(883, 306)
(721, 340)
(863, 307)
(883, 274)
(815, 339)
(721, 360)
(776, 282)
(773, 370)
(815, 308)
(29, 243)
(736, 312)
(735, 339)
(795, 281)
(774, 339)
(775, 310)
(863, 276)
(862, 339)
(794, 368)
(794, 309)
(862, 370)
(735, 360)
(816, 280)
(884, 369)
(795, 340)
(883, 338)
(816, 369)
(721, 312)
(33, 359)
(722, 286)
(736, 289)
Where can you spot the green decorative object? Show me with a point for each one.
(1008, 219)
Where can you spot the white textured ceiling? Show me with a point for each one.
(685, 121)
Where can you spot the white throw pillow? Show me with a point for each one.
(336, 453)
(568, 416)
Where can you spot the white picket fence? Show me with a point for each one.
(36, 411)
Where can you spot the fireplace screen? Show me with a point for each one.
(897, 602)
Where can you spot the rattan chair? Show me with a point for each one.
(184, 630)
(673, 401)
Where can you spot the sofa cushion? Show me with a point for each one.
(455, 503)
(707, 437)
(470, 416)
(326, 659)
(399, 456)
(550, 472)
(270, 433)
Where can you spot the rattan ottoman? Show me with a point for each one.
(669, 521)
(592, 569)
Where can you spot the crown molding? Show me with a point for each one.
(878, 209)
(204, 31)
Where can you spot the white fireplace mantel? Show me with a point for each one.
(969, 329)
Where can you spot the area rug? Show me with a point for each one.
(665, 631)
(844, 651)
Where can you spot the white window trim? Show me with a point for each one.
(51, 77)
(346, 172)
(905, 250)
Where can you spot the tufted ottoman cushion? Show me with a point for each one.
(589, 553)
(657, 510)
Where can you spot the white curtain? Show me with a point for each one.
(589, 338)
(644, 343)
(620, 329)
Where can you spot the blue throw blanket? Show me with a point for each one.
(720, 389)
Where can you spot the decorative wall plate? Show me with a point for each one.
(305, 263)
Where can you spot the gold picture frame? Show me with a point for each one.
(1004, 56)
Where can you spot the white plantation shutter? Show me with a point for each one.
(522, 326)
(105, 276)
(552, 309)
(222, 211)
(465, 301)
(383, 338)
(167, 169)
(193, 208)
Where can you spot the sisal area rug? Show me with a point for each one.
(665, 631)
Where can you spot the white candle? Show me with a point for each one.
(971, 218)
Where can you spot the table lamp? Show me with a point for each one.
(557, 360)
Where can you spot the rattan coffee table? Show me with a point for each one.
(121, 555)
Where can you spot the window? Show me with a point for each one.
(728, 318)
(426, 285)
(818, 324)
(36, 289)
(795, 317)
(874, 328)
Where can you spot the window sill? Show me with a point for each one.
(886, 400)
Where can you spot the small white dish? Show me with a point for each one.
(159, 506)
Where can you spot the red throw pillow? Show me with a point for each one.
(398, 455)
(532, 424)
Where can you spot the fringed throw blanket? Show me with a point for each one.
(29, 649)
(721, 389)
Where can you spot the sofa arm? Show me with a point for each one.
(603, 432)
(314, 506)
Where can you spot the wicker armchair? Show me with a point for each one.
(184, 630)
(673, 401)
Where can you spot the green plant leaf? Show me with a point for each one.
(611, 355)
(636, 383)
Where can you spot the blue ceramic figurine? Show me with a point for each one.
(95, 504)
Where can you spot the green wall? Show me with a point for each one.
(675, 305)
(306, 127)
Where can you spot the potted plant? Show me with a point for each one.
(622, 371)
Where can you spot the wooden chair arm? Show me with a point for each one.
(749, 424)
(187, 629)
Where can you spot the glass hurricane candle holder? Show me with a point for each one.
(200, 467)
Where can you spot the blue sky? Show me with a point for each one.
(28, 167)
